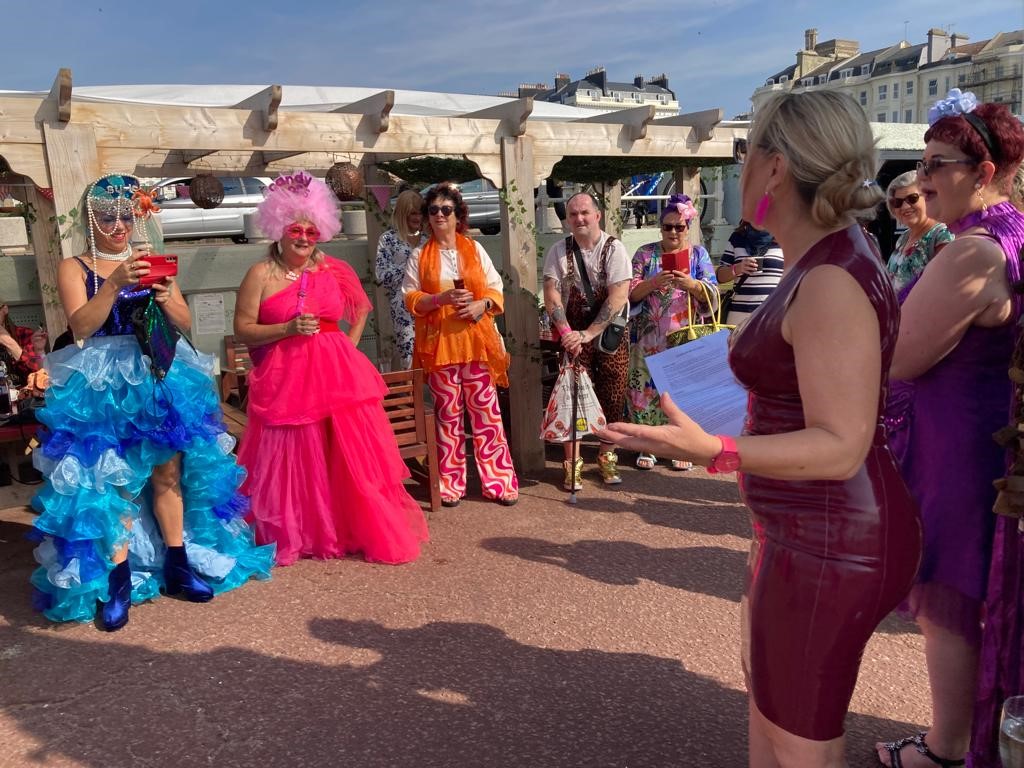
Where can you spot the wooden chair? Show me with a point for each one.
(237, 365)
(413, 425)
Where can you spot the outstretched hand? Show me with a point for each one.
(682, 438)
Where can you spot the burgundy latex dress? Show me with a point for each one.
(829, 558)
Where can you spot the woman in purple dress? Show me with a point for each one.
(959, 321)
(836, 534)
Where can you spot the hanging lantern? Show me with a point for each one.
(206, 190)
(346, 180)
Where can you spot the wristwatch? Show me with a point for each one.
(727, 460)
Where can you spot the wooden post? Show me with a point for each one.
(688, 183)
(72, 161)
(521, 319)
(46, 247)
(611, 194)
(376, 224)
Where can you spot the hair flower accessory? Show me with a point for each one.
(956, 103)
(681, 204)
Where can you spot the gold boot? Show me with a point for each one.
(573, 479)
(608, 463)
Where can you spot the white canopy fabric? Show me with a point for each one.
(312, 98)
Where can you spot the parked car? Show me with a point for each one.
(181, 218)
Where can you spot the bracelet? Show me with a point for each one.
(733, 268)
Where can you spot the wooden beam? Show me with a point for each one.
(703, 123)
(634, 120)
(513, 115)
(268, 158)
(60, 95)
(266, 101)
(521, 320)
(190, 156)
(488, 166)
(376, 108)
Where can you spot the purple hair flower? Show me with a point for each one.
(957, 102)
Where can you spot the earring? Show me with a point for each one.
(761, 212)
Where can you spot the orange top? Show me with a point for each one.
(443, 338)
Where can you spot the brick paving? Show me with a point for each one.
(604, 634)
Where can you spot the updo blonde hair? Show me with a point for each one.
(827, 141)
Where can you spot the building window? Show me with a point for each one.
(863, 98)
(865, 68)
(933, 87)
(822, 79)
(846, 73)
(784, 79)
(883, 92)
(895, 116)
(961, 79)
(909, 90)
(770, 81)
(947, 84)
(895, 90)
(807, 81)
(908, 116)
(880, 117)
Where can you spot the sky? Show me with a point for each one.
(715, 52)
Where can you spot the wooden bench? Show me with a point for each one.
(413, 425)
(233, 377)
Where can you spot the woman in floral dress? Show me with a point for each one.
(665, 298)
(393, 251)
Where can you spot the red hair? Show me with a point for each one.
(1006, 132)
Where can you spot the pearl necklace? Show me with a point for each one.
(122, 256)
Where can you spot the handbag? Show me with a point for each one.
(557, 426)
(697, 330)
(157, 337)
(611, 337)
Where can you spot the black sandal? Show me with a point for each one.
(895, 747)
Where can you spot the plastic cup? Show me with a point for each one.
(1011, 733)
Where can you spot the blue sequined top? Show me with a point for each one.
(119, 321)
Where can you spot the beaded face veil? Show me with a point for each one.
(111, 200)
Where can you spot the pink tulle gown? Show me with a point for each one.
(324, 471)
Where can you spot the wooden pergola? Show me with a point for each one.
(61, 143)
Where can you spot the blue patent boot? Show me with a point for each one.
(114, 614)
(179, 577)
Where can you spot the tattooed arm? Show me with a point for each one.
(618, 295)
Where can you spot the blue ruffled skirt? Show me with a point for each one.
(108, 423)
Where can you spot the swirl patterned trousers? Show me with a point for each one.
(461, 388)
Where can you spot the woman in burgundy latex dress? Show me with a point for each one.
(836, 534)
(950, 394)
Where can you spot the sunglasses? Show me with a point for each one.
(447, 210)
(297, 231)
(674, 227)
(109, 220)
(927, 167)
(897, 202)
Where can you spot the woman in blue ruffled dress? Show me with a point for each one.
(140, 491)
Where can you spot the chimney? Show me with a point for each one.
(561, 80)
(938, 44)
(810, 39)
(530, 89)
(660, 80)
(638, 82)
(599, 77)
(957, 38)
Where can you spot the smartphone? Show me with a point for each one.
(459, 283)
(161, 267)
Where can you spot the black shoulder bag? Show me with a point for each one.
(611, 337)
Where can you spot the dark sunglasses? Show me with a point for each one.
(447, 210)
(897, 202)
(674, 227)
(927, 167)
(296, 231)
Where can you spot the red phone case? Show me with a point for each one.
(671, 262)
(160, 268)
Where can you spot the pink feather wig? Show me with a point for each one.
(298, 196)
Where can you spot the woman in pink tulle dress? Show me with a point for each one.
(324, 471)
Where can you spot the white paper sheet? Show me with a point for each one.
(208, 310)
(698, 377)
